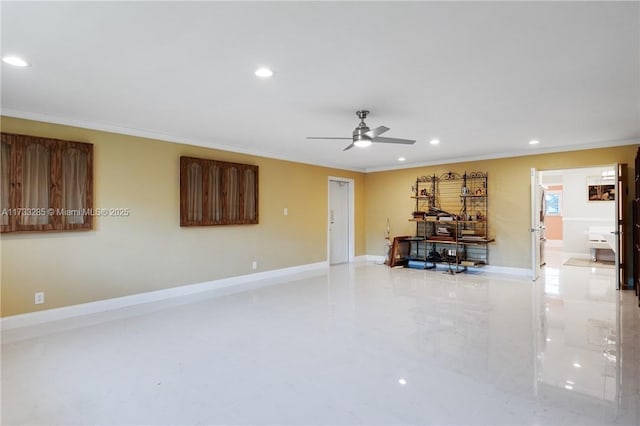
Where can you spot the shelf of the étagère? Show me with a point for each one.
(440, 241)
(468, 240)
(435, 219)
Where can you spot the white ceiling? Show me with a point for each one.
(484, 78)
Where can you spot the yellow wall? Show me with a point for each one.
(149, 250)
(388, 193)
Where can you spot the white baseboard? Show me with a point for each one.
(374, 258)
(55, 314)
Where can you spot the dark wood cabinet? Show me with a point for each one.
(636, 227)
(45, 184)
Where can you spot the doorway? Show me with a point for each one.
(578, 216)
(341, 235)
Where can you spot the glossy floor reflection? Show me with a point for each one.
(354, 344)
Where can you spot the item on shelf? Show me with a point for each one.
(419, 215)
(442, 231)
(472, 238)
(449, 255)
(434, 256)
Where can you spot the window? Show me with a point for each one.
(217, 193)
(553, 203)
(45, 184)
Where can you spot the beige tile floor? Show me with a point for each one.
(352, 344)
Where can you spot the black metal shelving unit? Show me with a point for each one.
(451, 221)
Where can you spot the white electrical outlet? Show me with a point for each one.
(286, 211)
(39, 298)
(254, 264)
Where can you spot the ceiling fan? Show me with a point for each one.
(363, 136)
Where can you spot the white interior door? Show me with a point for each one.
(339, 222)
(536, 226)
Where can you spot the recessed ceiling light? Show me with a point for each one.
(402, 382)
(434, 141)
(534, 142)
(401, 159)
(576, 365)
(569, 387)
(15, 61)
(264, 72)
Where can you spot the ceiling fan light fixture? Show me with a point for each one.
(362, 143)
(360, 138)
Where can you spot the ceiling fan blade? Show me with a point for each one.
(394, 140)
(374, 133)
(349, 147)
(320, 137)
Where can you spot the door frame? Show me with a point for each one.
(351, 216)
(535, 227)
